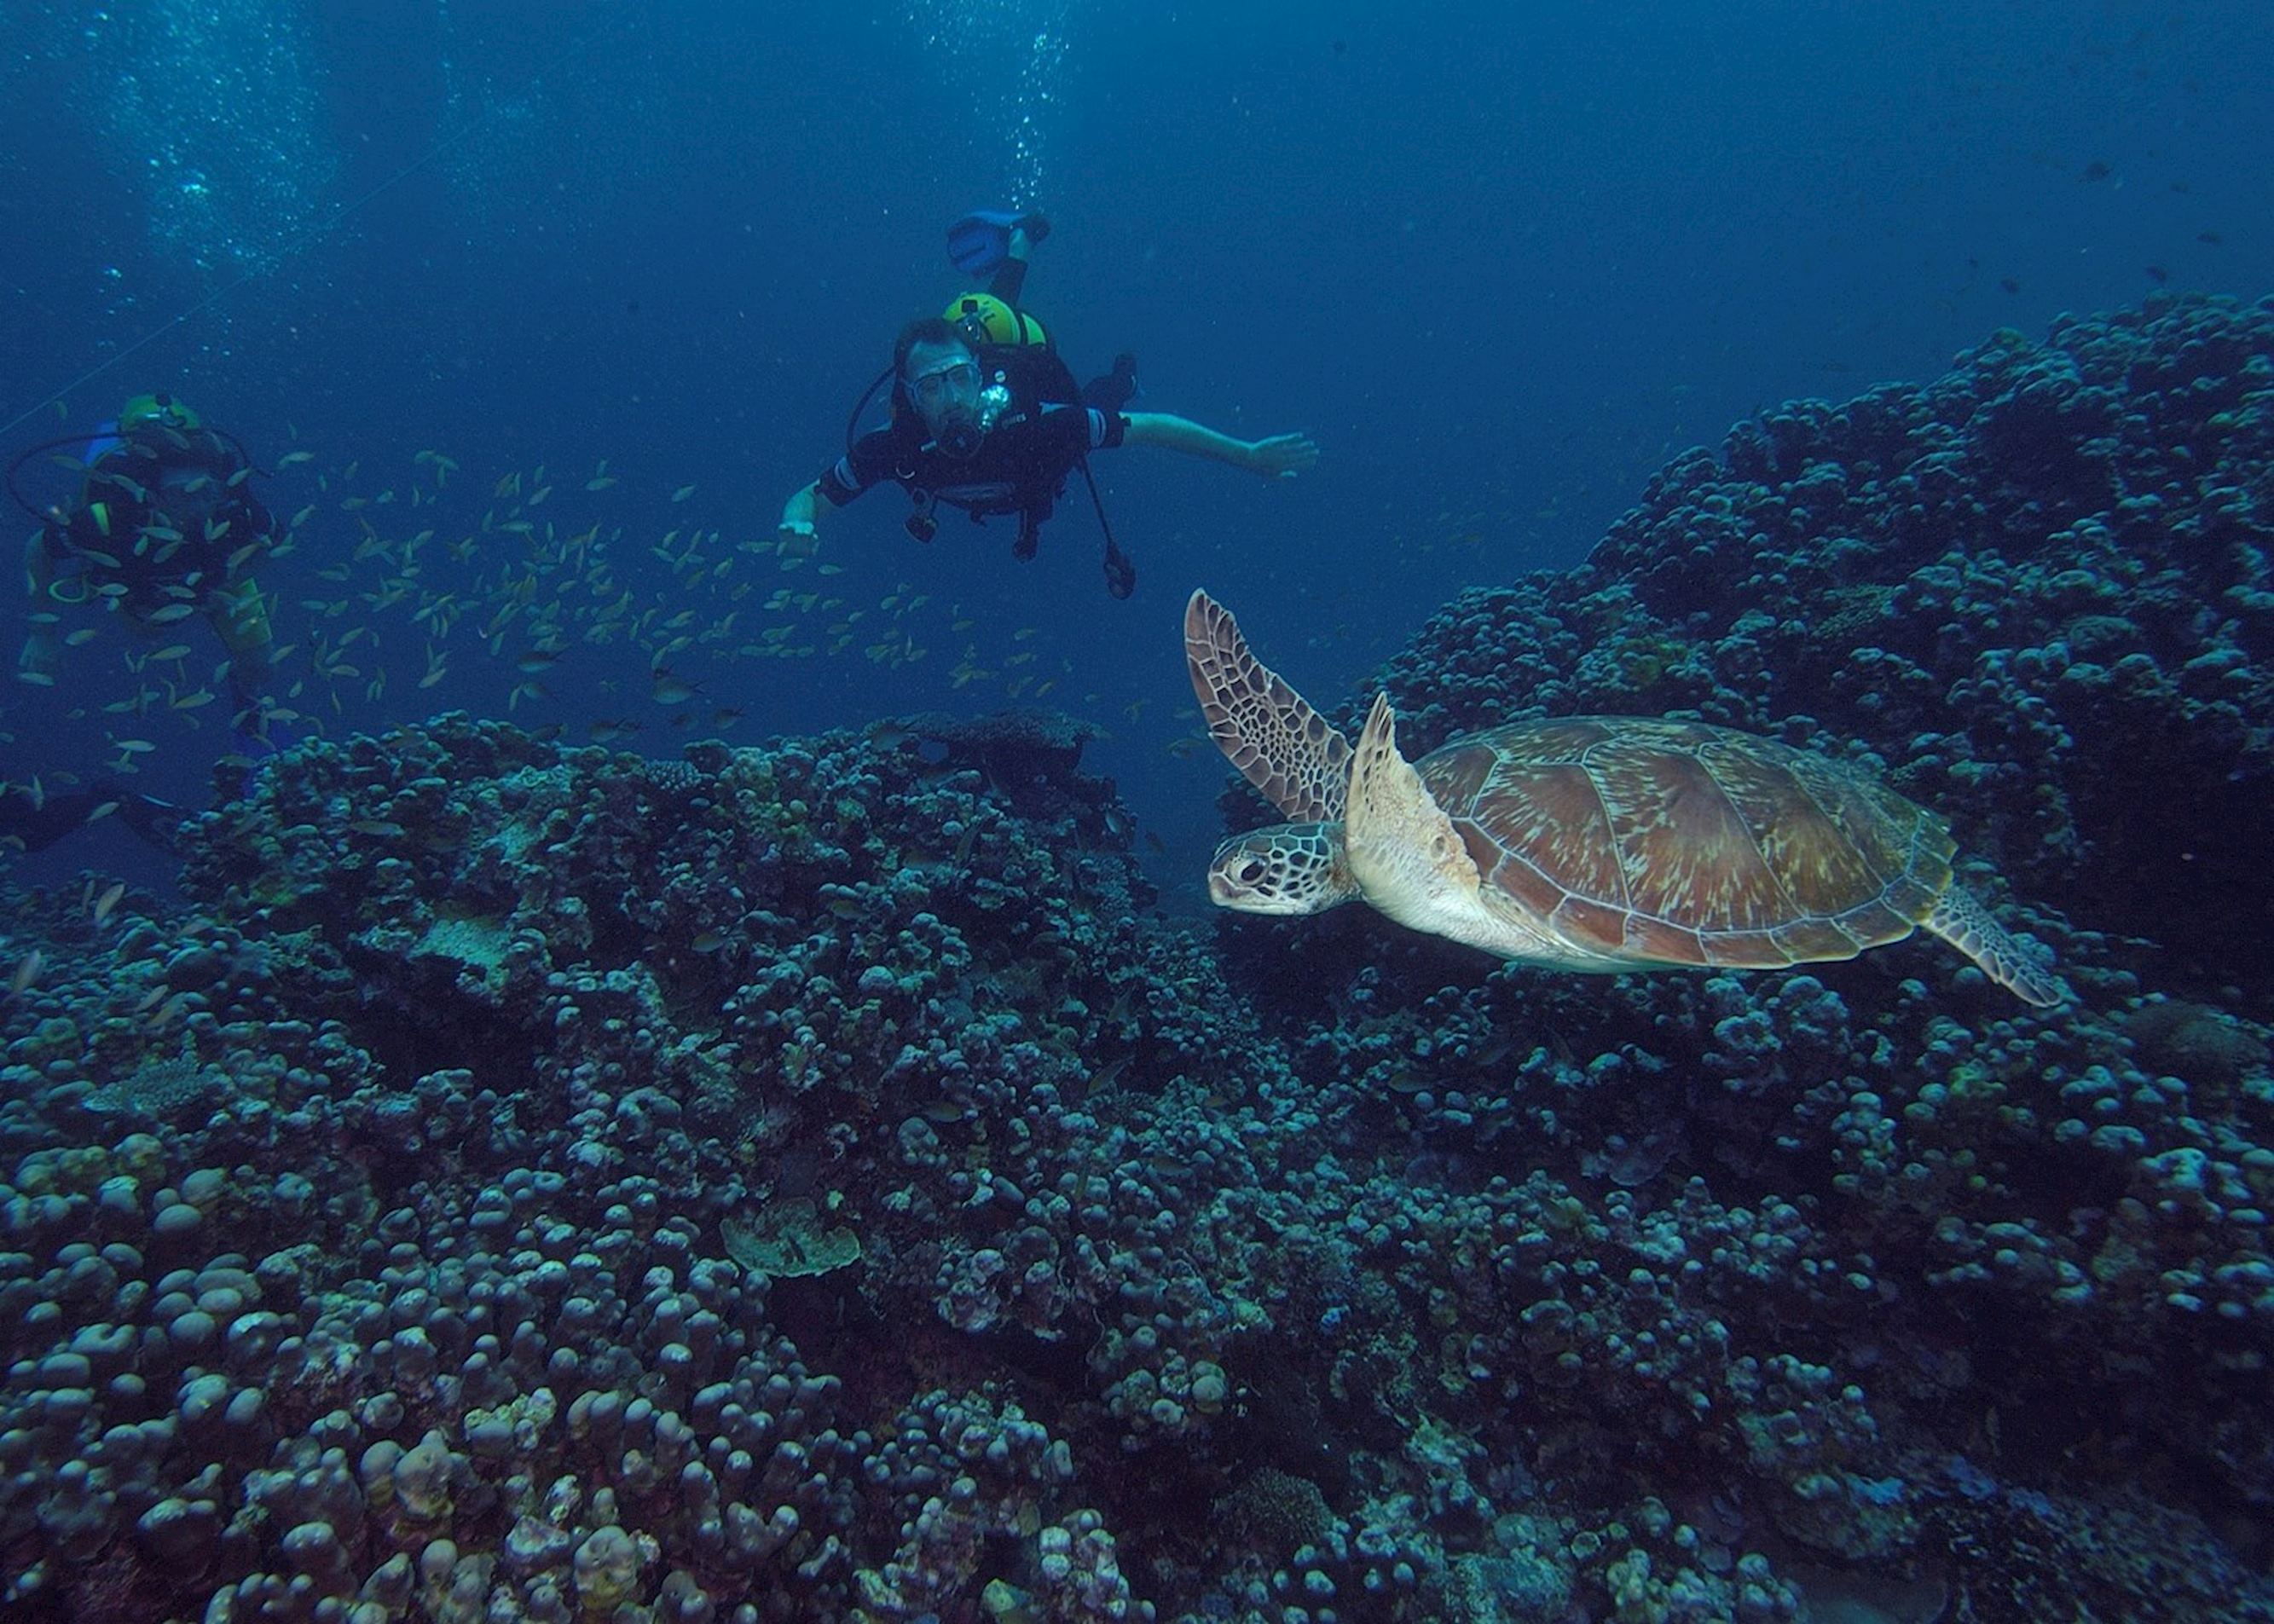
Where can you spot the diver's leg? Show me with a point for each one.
(1010, 278)
(158, 822)
(239, 615)
(36, 822)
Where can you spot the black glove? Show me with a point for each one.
(1035, 226)
(1120, 574)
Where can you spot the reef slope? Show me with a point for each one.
(809, 1183)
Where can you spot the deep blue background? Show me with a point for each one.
(1502, 264)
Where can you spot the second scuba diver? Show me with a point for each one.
(986, 417)
(166, 525)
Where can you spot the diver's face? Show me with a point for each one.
(943, 384)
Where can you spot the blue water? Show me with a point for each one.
(1502, 261)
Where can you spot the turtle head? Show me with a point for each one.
(1289, 868)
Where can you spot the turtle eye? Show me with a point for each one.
(1251, 872)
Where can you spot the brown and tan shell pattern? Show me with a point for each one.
(1688, 843)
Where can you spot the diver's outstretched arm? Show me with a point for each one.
(1281, 456)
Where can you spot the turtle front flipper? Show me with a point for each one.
(1289, 868)
(1286, 749)
(1963, 923)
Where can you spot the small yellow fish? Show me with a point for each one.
(683, 493)
(108, 899)
(293, 459)
(169, 613)
(26, 973)
(1105, 1077)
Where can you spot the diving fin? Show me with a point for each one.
(981, 240)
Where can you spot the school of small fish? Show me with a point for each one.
(430, 580)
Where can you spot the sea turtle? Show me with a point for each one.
(1605, 843)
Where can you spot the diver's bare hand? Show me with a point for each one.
(1283, 456)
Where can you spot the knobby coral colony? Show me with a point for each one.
(807, 1183)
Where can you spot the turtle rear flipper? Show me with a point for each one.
(1963, 923)
(1287, 750)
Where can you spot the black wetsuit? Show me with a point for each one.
(161, 506)
(167, 522)
(1021, 466)
(1046, 431)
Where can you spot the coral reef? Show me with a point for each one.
(809, 1183)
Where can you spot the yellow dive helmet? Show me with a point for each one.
(985, 319)
(157, 409)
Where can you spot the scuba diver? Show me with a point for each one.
(986, 416)
(165, 525)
